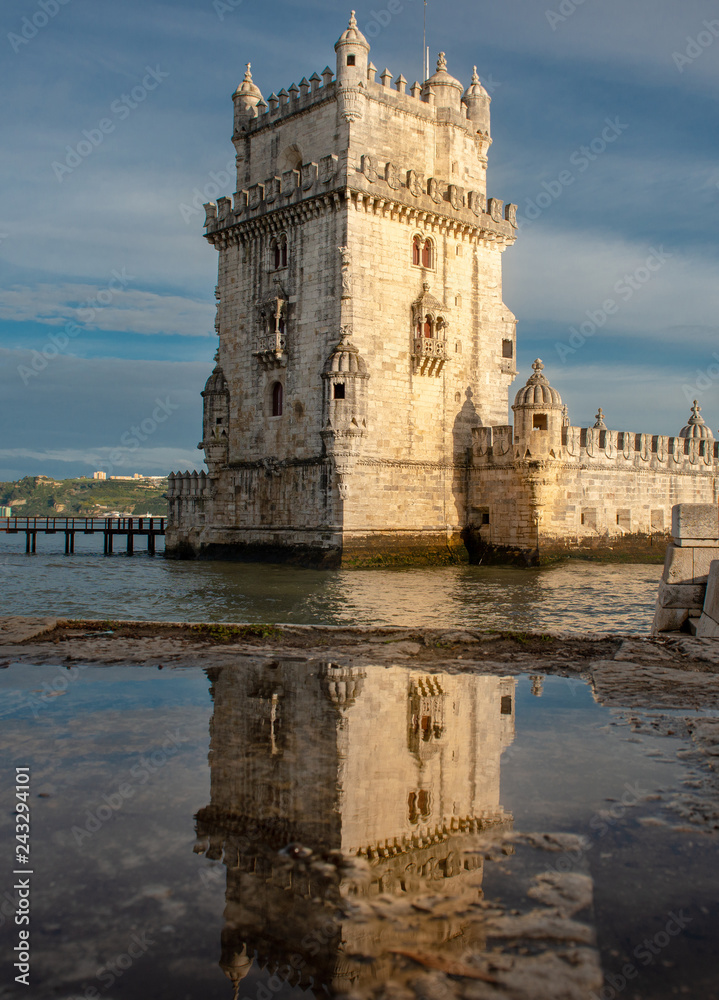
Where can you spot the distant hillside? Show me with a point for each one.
(43, 497)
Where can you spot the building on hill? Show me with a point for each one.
(359, 402)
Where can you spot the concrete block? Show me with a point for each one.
(707, 628)
(668, 619)
(681, 595)
(695, 520)
(711, 600)
(703, 557)
(679, 565)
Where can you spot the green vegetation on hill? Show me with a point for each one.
(39, 496)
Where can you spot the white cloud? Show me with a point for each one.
(158, 461)
(128, 310)
(638, 398)
(564, 276)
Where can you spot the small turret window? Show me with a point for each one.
(539, 422)
(350, 60)
(277, 393)
(339, 390)
(507, 349)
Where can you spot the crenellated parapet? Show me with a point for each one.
(588, 446)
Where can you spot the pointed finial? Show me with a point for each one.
(353, 20)
(441, 62)
(538, 365)
(248, 72)
(475, 76)
(600, 420)
(696, 410)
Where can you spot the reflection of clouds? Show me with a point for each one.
(134, 874)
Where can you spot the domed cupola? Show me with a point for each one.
(446, 89)
(478, 100)
(352, 50)
(538, 413)
(696, 428)
(246, 98)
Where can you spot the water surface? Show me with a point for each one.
(576, 596)
(293, 830)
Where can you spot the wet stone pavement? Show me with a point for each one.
(366, 813)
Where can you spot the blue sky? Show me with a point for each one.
(108, 248)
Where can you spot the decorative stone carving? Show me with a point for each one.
(256, 195)
(495, 209)
(328, 168)
(510, 214)
(346, 255)
(392, 176)
(477, 202)
(290, 182)
(456, 197)
(415, 183)
(308, 173)
(434, 190)
(369, 168)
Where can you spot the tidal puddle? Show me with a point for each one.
(293, 829)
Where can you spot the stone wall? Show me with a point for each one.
(690, 560)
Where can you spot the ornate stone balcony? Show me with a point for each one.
(271, 351)
(429, 355)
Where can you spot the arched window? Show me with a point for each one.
(278, 251)
(277, 399)
(417, 251)
(428, 326)
(427, 254)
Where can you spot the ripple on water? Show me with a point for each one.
(577, 596)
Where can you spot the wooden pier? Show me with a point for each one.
(109, 527)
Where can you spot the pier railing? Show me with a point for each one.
(109, 527)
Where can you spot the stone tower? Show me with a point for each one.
(362, 330)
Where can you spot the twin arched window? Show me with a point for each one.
(278, 251)
(422, 252)
(431, 326)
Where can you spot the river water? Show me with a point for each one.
(576, 596)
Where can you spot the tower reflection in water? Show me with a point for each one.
(348, 807)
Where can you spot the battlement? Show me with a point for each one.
(585, 446)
